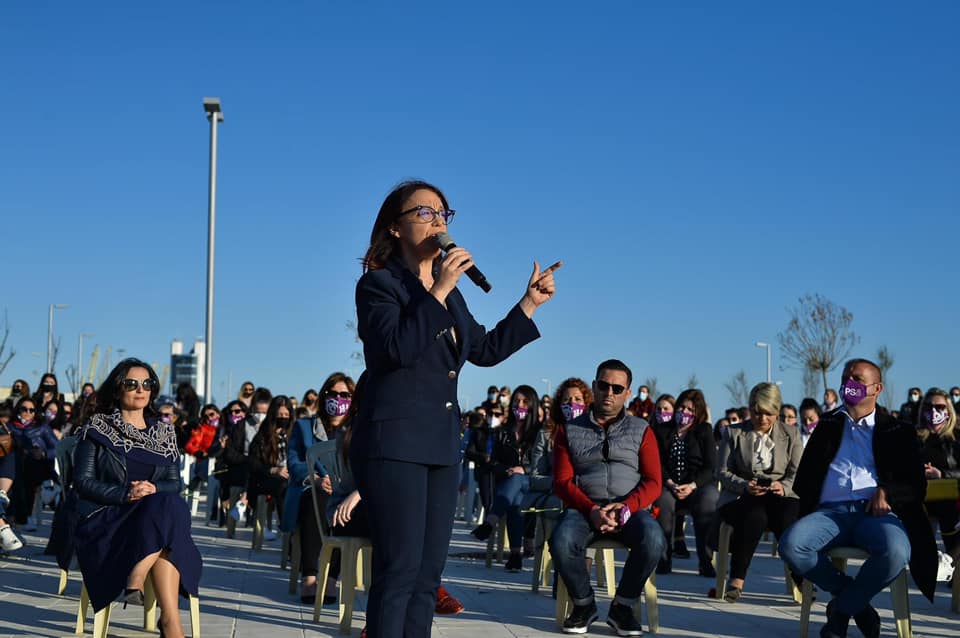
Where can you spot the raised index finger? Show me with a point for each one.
(552, 268)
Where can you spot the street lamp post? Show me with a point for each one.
(764, 344)
(53, 306)
(211, 105)
(547, 382)
(80, 358)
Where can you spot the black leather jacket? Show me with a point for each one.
(100, 477)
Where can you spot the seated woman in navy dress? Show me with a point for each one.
(132, 521)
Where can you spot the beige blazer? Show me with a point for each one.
(737, 470)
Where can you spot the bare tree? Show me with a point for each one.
(885, 362)
(818, 336)
(356, 355)
(5, 354)
(738, 388)
(651, 382)
(811, 385)
(693, 382)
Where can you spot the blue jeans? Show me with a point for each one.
(805, 544)
(508, 500)
(568, 545)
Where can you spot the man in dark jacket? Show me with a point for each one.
(861, 484)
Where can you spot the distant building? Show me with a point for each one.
(188, 367)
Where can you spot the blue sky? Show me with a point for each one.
(697, 167)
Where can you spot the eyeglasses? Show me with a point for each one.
(212, 415)
(942, 407)
(26, 410)
(603, 386)
(237, 411)
(130, 385)
(427, 214)
(333, 394)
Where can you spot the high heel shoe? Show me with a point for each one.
(132, 597)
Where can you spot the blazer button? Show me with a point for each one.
(452, 374)
(448, 405)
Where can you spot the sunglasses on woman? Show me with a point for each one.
(333, 394)
(26, 410)
(131, 385)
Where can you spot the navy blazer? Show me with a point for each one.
(408, 409)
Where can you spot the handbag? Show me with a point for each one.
(943, 489)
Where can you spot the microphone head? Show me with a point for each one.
(444, 240)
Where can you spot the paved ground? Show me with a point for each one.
(244, 594)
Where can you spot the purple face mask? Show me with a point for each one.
(521, 413)
(337, 406)
(810, 428)
(934, 419)
(662, 416)
(235, 418)
(684, 419)
(572, 410)
(853, 392)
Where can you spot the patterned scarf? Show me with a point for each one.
(156, 445)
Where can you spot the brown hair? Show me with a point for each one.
(382, 243)
(573, 382)
(699, 403)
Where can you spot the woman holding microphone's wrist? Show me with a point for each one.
(417, 334)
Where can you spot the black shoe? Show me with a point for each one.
(665, 566)
(578, 622)
(622, 620)
(680, 549)
(514, 563)
(482, 531)
(837, 623)
(868, 622)
(132, 597)
(706, 569)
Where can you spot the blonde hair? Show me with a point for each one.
(947, 431)
(766, 397)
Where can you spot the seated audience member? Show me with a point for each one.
(512, 445)
(861, 484)
(688, 458)
(607, 473)
(9, 541)
(133, 524)
(268, 460)
(334, 401)
(35, 445)
(810, 413)
(757, 479)
(941, 460)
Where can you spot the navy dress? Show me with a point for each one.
(113, 538)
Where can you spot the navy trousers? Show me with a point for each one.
(410, 508)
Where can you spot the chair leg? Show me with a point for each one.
(149, 605)
(194, 617)
(901, 605)
(367, 567)
(348, 586)
(609, 575)
(806, 602)
(361, 563)
(955, 596)
(563, 602)
(294, 560)
(323, 570)
(284, 550)
(723, 559)
(488, 559)
(598, 565)
(650, 595)
(101, 622)
(539, 547)
(502, 542)
(792, 590)
(260, 521)
(62, 586)
(82, 609)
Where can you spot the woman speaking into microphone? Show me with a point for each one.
(417, 334)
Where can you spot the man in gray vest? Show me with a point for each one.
(607, 473)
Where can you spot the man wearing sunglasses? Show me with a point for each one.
(607, 472)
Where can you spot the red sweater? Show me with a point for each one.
(642, 496)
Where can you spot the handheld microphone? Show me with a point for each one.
(445, 241)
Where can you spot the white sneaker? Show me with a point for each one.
(269, 535)
(9, 540)
(31, 525)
